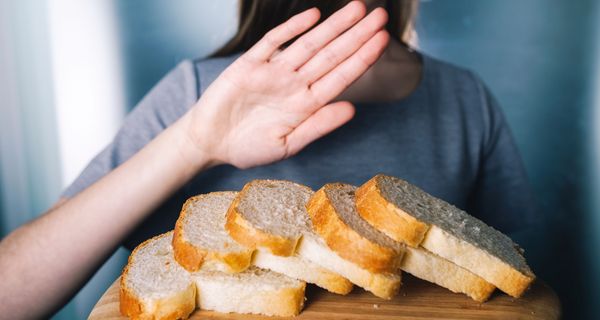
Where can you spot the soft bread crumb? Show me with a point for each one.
(153, 285)
(255, 290)
(204, 222)
(153, 272)
(276, 207)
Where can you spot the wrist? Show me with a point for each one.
(194, 149)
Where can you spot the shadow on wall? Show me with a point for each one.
(537, 57)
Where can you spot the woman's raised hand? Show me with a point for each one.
(270, 103)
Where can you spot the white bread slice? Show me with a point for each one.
(266, 198)
(383, 285)
(153, 285)
(418, 262)
(300, 268)
(428, 266)
(254, 290)
(201, 241)
(200, 236)
(335, 219)
(408, 214)
(269, 214)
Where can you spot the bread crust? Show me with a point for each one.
(129, 305)
(187, 255)
(178, 306)
(342, 239)
(192, 257)
(295, 298)
(386, 217)
(242, 231)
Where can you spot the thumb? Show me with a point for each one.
(320, 123)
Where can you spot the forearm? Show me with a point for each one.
(83, 231)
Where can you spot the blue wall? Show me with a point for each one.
(538, 57)
(156, 35)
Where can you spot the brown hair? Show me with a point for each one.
(256, 17)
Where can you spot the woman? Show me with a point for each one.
(276, 104)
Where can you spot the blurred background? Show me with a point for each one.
(71, 69)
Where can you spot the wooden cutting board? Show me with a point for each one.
(418, 299)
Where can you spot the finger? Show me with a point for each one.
(320, 123)
(272, 40)
(306, 46)
(344, 46)
(340, 78)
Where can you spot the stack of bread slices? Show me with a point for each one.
(253, 251)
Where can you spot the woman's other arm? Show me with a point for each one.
(244, 119)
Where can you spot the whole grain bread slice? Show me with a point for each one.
(254, 290)
(334, 218)
(200, 236)
(408, 214)
(153, 285)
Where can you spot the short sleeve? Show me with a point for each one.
(168, 100)
(502, 195)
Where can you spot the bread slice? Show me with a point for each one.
(200, 236)
(201, 241)
(428, 266)
(408, 214)
(153, 285)
(383, 285)
(261, 200)
(300, 268)
(335, 218)
(339, 206)
(269, 214)
(275, 209)
(254, 290)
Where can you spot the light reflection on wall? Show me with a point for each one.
(88, 84)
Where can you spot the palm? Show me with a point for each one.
(266, 107)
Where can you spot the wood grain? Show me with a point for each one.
(418, 299)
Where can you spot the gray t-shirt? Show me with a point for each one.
(448, 137)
